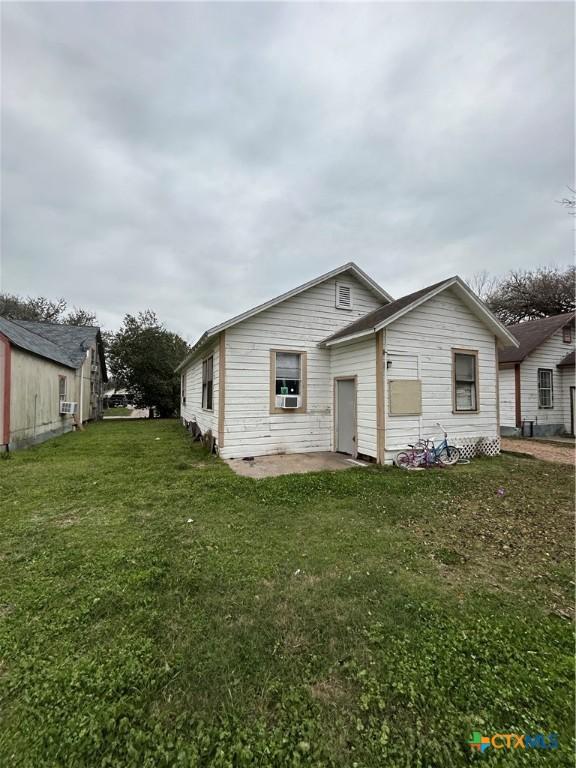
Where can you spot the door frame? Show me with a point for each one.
(354, 380)
(572, 391)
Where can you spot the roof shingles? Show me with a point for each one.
(531, 334)
(64, 344)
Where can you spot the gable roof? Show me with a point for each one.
(64, 344)
(383, 316)
(568, 360)
(531, 334)
(349, 267)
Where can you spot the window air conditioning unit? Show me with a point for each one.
(289, 401)
(68, 408)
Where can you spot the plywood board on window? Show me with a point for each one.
(405, 397)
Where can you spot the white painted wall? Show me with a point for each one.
(547, 355)
(507, 397)
(359, 359)
(429, 333)
(299, 324)
(193, 410)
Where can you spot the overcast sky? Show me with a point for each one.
(197, 159)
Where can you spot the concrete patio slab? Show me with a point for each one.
(293, 463)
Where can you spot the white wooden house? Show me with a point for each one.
(537, 385)
(337, 365)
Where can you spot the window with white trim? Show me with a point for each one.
(567, 334)
(545, 388)
(465, 383)
(207, 382)
(344, 296)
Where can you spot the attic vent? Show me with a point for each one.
(343, 296)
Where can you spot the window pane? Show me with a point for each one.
(287, 365)
(545, 377)
(287, 386)
(465, 367)
(465, 397)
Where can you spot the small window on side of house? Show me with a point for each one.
(465, 384)
(545, 388)
(207, 382)
(62, 388)
(567, 334)
(344, 296)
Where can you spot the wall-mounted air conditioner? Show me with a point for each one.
(288, 401)
(67, 408)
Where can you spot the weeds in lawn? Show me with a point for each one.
(158, 610)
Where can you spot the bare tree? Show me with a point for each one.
(569, 202)
(483, 284)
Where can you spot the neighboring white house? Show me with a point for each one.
(337, 365)
(537, 386)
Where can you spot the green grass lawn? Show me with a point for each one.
(156, 610)
(118, 411)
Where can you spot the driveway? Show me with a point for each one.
(558, 453)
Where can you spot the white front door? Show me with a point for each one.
(346, 416)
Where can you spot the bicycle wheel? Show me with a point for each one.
(404, 460)
(449, 455)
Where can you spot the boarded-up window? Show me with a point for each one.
(405, 397)
(465, 373)
(545, 388)
(343, 296)
(207, 382)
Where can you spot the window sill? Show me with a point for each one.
(465, 413)
(287, 411)
(208, 410)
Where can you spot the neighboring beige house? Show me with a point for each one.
(50, 380)
(537, 386)
(337, 365)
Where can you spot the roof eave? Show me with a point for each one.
(500, 330)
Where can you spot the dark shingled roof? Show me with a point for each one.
(531, 334)
(568, 360)
(375, 317)
(64, 344)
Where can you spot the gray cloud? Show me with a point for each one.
(200, 158)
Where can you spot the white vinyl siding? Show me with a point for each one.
(299, 324)
(359, 359)
(192, 410)
(507, 397)
(429, 334)
(547, 355)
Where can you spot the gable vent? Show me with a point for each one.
(343, 296)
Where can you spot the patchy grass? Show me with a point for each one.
(157, 610)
